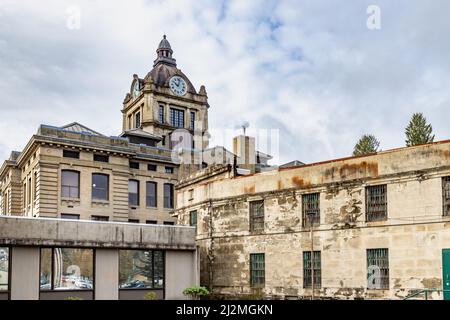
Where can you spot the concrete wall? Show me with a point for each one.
(181, 273)
(24, 273)
(106, 274)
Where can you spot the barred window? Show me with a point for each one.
(177, 118)
(257, 270)
(446, 195)
(257, 215)
(307, 271)
(376, 203)
(377, 269)
(311, 209)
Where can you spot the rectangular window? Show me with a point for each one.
(177, 118)
(161, 114)
(71, 154)
(70, 216)
(168, 195)
(257, 270)
(446, 195)
(133, 192)
(99, 218)
(100, 186)
(151, 167)
(140, 269)
(134, 165)
(193, 218)
(169, 170)
(101, 158)
(307, 270)
(67, 269)
(4, 269)
(192, 124)
(311, 209)
(70, 184)
(377, 268)
(35, 186)
(169, 223)
(257, 216)
(29, 191)
(151, 194)
(151, 222)
(376, 203)
(137, 120)
(133, 220)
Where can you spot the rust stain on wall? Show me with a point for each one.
(249, 189)
(300, 183)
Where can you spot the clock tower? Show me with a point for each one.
(164, 103)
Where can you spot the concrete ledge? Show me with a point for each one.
(82, 233)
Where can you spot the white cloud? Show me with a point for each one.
(310, 68)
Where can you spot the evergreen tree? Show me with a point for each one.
(366, 144)
(418, 131)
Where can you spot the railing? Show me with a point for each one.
(426, 293)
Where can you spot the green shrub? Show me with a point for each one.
(196, 292)
(150, 296)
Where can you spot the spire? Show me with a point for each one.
(164, 53)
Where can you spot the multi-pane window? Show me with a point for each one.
(133, 192)
(192, 124)
(376, 203)
(257, 215)
(70, 184)
(140, 269)
(169, 170)
(67, 269)
(177, 118)
(193, 218)
(312, 265)
(137, 120)
(134, 165)
(151, 167)
(151, 194)
(99, 218)
(446, 195)
(257, 270)
(71, 154)
(168, 195)
(377, 268)
(311, 209)
(70, 216)
(4, 268)
(100, 186)
(161, 114)
(101, 158)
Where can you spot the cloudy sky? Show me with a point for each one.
(309, 68)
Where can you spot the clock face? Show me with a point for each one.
(136, 89)
(178, 85)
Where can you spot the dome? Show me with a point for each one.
(165, 67)
(161, 74)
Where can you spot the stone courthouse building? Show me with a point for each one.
(378, 227)
(75, 172)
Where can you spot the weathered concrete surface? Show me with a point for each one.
(415, 231)
(79, 233)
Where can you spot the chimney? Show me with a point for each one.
(244, 148)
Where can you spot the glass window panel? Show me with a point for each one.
(100, 186)
(4, 268)
(139, 269)
(133, 192)
(46, 269)
(73, 269)
(70, 181)
(151, 194)
(168, 195)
